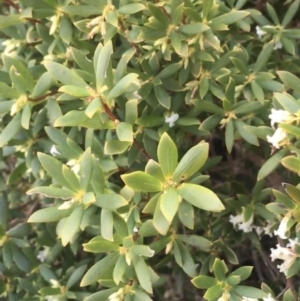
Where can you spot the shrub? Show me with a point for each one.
(144, 145)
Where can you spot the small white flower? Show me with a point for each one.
(277, 45)
(280, 116)
(246, 226)
(277, 137)
(286, 254)
(260, 32)
(269, 298)
(42, 255)
(54, 151)
(135, 230)
(282, 227)
(235, 220)
(171, 119)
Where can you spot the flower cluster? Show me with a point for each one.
(279, 116)
(286, 254)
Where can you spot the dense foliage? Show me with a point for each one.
(147, 149)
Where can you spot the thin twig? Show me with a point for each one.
(43, 96)
(12, 4)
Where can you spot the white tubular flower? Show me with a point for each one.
(258, 230)
(269, 298)
(280, 116)
(235, 220)
(277, 137)
(277, 45)
(282, 227)
(286, 254)
(260, 32)
(246, 226)
(171, 119)
(135, 230)
(54, 151)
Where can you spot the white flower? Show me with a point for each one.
(171, 119)
(135, 230)
(280, 116)
(286, 254)
(260, 32)
(282, 227)
(54, 151)
(236, 219)
(277, 45)
(277, 137)
(269, 298)
(42, 255)
(246, 226)
(239, 221)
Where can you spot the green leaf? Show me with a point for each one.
(53, 192)
(197, 241)
(101, 295)
(119, 269)
(111, 201)
(200, 197)
(123, 86)
(8, 92)
(169, 203)
(249, 137)
(249, 292)
(244, 272)
(81, 10)
(76, 276)
(71, 225)
(204, 282)
(160, 223)
(154, 169)
(220, 269)
(271, 164)
(263, 56)
(230, 18)
(191, 162)
(107, 224)
(99, 245)
(193, 28)
(289, 15)
(213, 293)
(140, 181)
(162, 96)
(114, 147)
(11, 130)
(292, 163)
(131, 8)
(186, 214)
(290, 80)
(76, 91)
(100, 269)
(64, 74)
(142, 273)
(167, 155)
(229, 136)
(9, 20)
(79, 118)
(54, 168)
(124, 132)
(48, 215)
(26, 115)
(102, 60)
